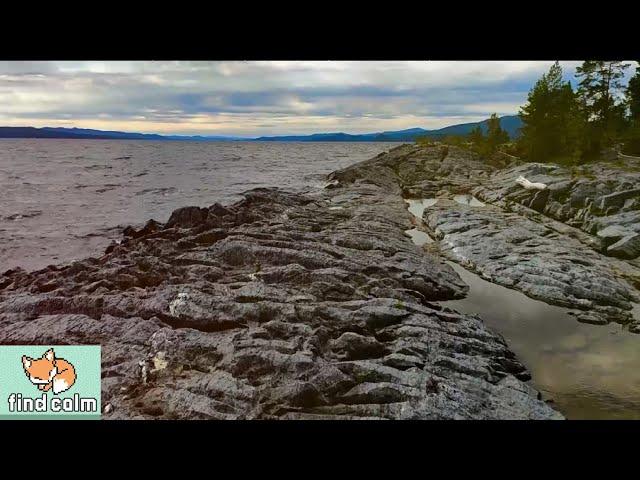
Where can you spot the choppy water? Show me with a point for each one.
(62, 200)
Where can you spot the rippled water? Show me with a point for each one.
(66, 199)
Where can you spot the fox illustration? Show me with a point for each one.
(49, 372)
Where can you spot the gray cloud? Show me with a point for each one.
(258, 98)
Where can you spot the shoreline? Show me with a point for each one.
(289, 305)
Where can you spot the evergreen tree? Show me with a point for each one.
(487, 144)
(552, 122)
(632, 140)
(633, 96)
(600, 82)
(476, 136)
(495, 134)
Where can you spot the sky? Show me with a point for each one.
(263, 98)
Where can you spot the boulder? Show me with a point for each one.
(539, 200)
(187, 217)
(612, 234)
(618, 199)
(627, 247)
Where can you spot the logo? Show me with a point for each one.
(49, 372)
(55, 382)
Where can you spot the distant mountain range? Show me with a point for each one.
(85, 133)
(510, 123)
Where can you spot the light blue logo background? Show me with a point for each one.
(13, 380)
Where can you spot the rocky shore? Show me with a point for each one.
(516, 237)
(319, 306)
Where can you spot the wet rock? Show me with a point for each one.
(217, 210)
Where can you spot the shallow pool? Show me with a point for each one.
(588, 371)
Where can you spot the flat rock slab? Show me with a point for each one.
(513, 251)
(591, 197)
(513, 239)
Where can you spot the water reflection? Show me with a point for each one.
(469, 200)
(417, 207)
(419, 237)
(590, 372)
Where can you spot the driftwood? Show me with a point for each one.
(530, 185)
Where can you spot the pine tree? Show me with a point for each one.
(476, 136)
(495, 134)
(600, 82)
(632, 141)
(633, 96)
(551, 119)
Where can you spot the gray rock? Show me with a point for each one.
(626, 247)
(539, 200)
(516, 252)
(277, 307)
(631, 204)
(186, 217)
(612, 234)
(351, 346)
(618, 199)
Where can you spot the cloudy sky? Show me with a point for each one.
(262, 98)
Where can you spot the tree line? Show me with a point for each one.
(476, 140)
(563, 125)
(566, 126)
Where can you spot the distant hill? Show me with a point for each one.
(86, 132)
(511, 124)
(134, 136)
(31, 132)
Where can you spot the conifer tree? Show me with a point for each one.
(552, 123)
(633, 96)
(600, 83)
(632, 141)
(476, 136)
(495, 134)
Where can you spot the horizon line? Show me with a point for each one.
(245, 136)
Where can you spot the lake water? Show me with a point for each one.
(62, 200)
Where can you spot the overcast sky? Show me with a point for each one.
(262, 98)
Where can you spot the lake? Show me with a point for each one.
(62, 200)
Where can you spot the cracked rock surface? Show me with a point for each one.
(285, 306)
(514, 238)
